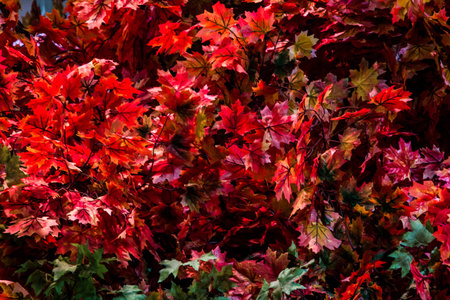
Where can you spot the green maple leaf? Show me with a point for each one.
(13, 172)
(85, 289)
(196, 262)
(287, 280)
(264, 292)
(62, 268)
(364, 80)
(222, 280)
(176, 292)
(402, 260)
(130, 292)
(419, 236)
(285, 284)
(170, 267)
(37, 280)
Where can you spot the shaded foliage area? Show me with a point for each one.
(260, 150)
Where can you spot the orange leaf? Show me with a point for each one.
(216, 25)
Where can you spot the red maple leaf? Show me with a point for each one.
(85, 211)
(229, 56)
(257, 24)
(285, 175)
(422, 284)
(42, 226)
(401, 161)
(235, 120)
(166, 168)
(352, 115)
(71, 84)
(276, 124)
(443, 236)
(431, 161)
(120, 89)
(129, 112)
(169, 41)
(316, 236)
(392, 100)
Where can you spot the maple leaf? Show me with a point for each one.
(120, 89)
(95, 12)
(392, 100)
(352, 290)
(285, 283)
(401, 161)
(235, 163)
(196, 64)
(419, 236)
(349, 141)
(297, 80)
(85, 211)
(169, 41)
(402, 260)
(130, 292)
(6, 87)
(235, 120)
(422, 284)
(303, 46)
(255, 157)
(170, 267)
(61, 268)
(303, 199)
(276, 124)
(352, 115)
(406, 8)
(42, 226)
(259, 24)
(316, 236)
(129, 112)
(216, 25)
(285, 176)
(271, 94)
(228, 56)
(364, 80)
(443, 236)
(431, 161)
(329, 164)
(417, 52)
(47, 91)
(166, 168)
(71, 84)
(13, 172)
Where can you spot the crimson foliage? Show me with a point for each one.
(256, 150)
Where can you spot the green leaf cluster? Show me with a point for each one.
(68, 280)
(172, 266)
(212, 285)
(419, 236)
(284, 285)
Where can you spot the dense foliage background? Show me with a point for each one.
(198, 150)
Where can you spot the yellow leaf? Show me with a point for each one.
(364, 80)
(349, 141)
(303, 46)
(302, 200)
